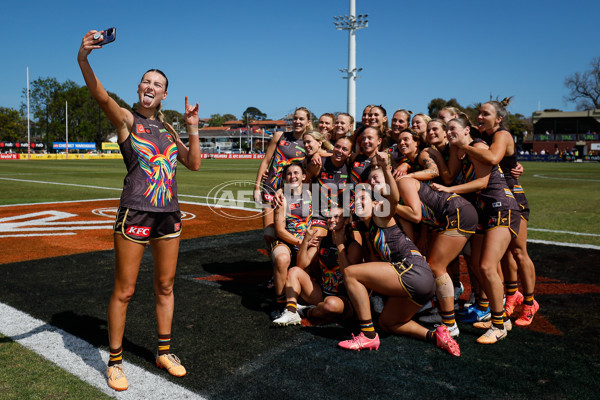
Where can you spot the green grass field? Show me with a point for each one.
(563, 196)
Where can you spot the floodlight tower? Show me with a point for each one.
(351, 23)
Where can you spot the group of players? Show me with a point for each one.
(375, 220)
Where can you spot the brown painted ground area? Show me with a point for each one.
(34, 232)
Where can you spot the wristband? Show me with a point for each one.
(192, 133)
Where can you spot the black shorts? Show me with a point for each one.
(462, 218)
(416, 278)
(500, 219)
(519, 194)
(143, 226)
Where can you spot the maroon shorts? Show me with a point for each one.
(143, 226)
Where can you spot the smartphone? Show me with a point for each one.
(109, 36)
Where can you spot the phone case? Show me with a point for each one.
(109, 36)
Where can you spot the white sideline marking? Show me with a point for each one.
(83, 360)
(565, 244)
(565, 179)
(567, 232)
(584, 246)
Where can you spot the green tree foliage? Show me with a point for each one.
(86, 121)
(218, 119)
(436, 105)
(584, 88)
(253, 113)
(13, 127)
(175, 118)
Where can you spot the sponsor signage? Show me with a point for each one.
(110, 146)
(233, 156)
(11, 156)
(74, 145)
(21, 145)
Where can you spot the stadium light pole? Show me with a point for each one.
(351, 23)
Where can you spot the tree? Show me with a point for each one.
(253, 113)
(218, 119)
(175, 118)
(13, 126)
(517, 124)
(86, 121)
(436, 105)
(584, 89)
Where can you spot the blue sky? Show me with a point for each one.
(277, 55)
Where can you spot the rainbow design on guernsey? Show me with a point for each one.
(518, 189)
(380, 244)
(297, 225)
(467, 172)
(279, 162)
(331, 279)
(159, 168)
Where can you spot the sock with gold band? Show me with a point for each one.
(367, 328)
(115, 356)
(164, 344)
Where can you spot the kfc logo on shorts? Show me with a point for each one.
(177, 226)
(140, 128)
(142, 231)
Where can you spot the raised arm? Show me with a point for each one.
(190, 157)
(121, 118)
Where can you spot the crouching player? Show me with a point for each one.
(326, 296)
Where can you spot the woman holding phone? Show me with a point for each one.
(151, 150)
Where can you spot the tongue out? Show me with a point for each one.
(147, 100)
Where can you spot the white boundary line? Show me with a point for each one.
(565, 244)
(83, 360)
(585, 246)
(567, 232)
(565, 179)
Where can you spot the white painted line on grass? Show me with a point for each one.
(565, 179)
(565, 244)
(566, 232)
(37, 234)
(83, 360)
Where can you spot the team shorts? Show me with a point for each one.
(318, 222)
(519, 194)
(416, 278)
(461, 221)
(143, 226)
(500, 219)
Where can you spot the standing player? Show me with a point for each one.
(149, 209)
(284, 149)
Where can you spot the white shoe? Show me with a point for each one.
(302, 309)
(432, 318)
(454, 331)
(287, 318)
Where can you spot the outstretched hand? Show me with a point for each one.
(88, 43)
(191, 113)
